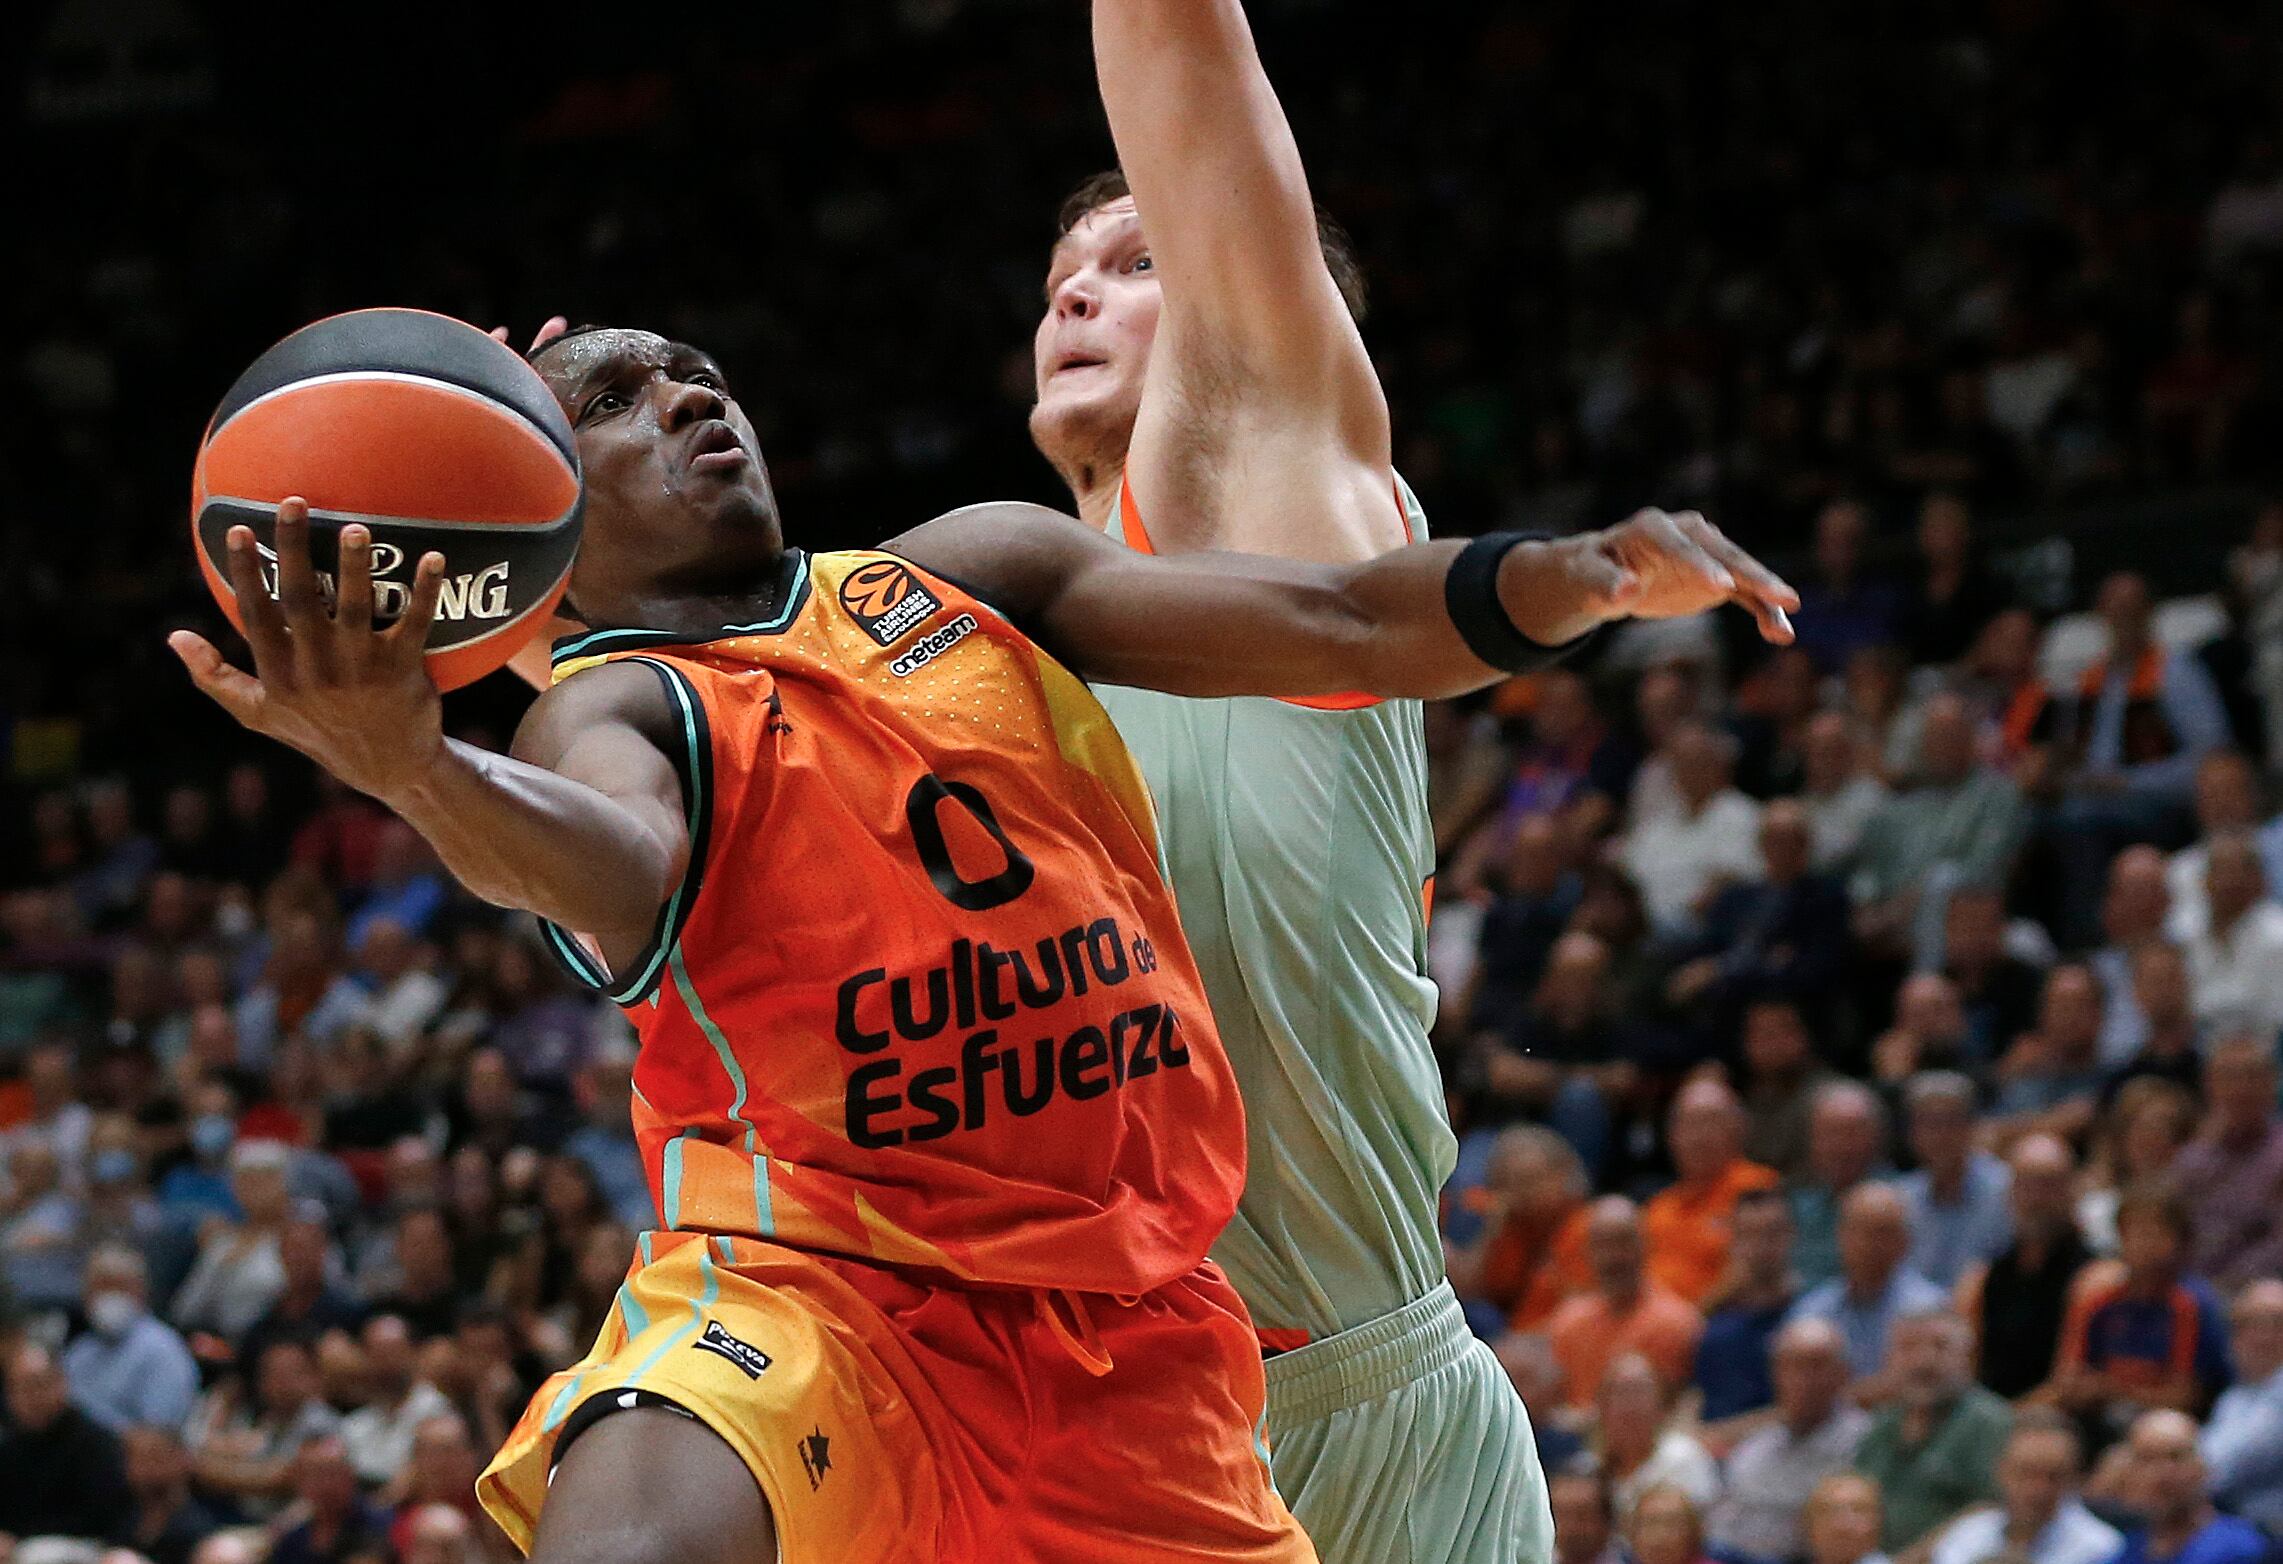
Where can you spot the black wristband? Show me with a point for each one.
(1470, 593)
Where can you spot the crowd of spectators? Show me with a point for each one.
(1865, 1060)
(1864, 1053)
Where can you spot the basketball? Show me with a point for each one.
(433, 436)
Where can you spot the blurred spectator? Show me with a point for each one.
(2155, 1337)
(1960, 824)
(302, 990)
(2169, 1484)
(378, 1434)
(425, 1293)
(1876, 1286)
(2236, 963)
(1625, 1311)
(2133, 914)
(443, 1470)
(309, 1303)
(2171, 1038)
(246, 1450)
(1841, 796)
(1531, 1257)
(1956, 596)
(2039, 1516)
(330, 1521)
(167, 1522)
(234, 1545)
(1999, 990)
(42, 1230)
(2049, 1081)
(1537, 893)
(2130, 740)
(1781, 1077)
(1780, 934)
(403, 997)
(1843, 607)
(2227, 800)
(438, 1534)
(1846, 1144)
(604, 1140)
(1934, 1449)
(129, 1366)
(1732, 1357)
(2017, 1304)
(408, 889)
(1550, 1067)
(63, 1471)
(1687, 1226)
(1667, 1527)
(239, 1273)
(1639, 1443)
(1770, 1475)
(56, 1115)
(1528, 1359)
(2242, 1444)
(1931, 1032)
(1681, 859)
(1584, 1517)
(1956, 1200)
(2231, 1175)
(1843, 1521)
(2148, 1126)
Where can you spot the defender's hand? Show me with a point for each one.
(1667, 565)
(356, 700)
(555, 327)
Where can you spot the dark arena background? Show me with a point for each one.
(1967, 316)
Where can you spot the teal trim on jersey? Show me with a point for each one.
(643, 1243)
(630, 1310)
(560, 1407)
(671, 1177)
(695, 767)
(698, 1306)
(594, 643)
(763, 1216)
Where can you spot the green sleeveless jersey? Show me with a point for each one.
(1299, 847)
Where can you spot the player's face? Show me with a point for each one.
(1092, 346)
(674, 477)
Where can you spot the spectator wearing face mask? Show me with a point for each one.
(128, 1367)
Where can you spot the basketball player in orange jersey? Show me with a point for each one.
(1202, 385)
(932, 1107)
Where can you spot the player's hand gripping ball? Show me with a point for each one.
(433, 438)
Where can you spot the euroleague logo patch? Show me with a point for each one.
(887, 600)
(749, 1358)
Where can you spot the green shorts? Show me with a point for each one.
(1402, 1442)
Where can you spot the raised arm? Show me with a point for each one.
(585, 828)
(1262, 426)
(1430, 620)
(1224, 201)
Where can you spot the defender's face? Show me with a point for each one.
(1091, 348)
(673, 468)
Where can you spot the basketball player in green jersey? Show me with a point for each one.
(1202, 385)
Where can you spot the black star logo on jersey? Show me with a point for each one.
(816, 1458)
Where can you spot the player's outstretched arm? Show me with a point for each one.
(1431, 620)
(585, 829)
(1217, 178)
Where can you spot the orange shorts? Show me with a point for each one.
(890, 1421)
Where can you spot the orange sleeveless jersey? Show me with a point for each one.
(922, 997)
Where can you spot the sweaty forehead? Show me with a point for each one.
(593, 354)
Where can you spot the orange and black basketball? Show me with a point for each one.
(432, 435)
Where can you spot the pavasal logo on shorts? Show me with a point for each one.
(887, 600)
(752, 1360)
